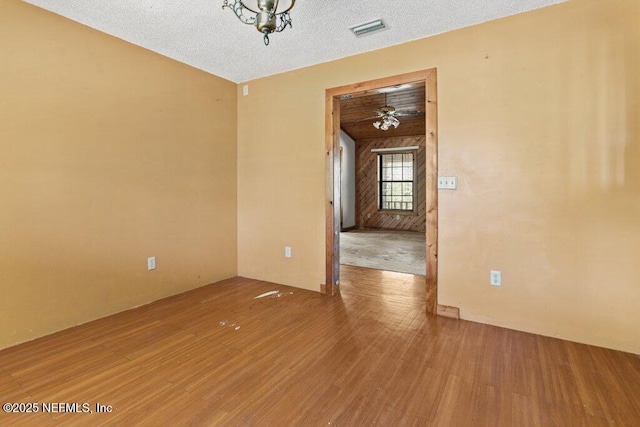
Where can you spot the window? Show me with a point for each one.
(396, 182)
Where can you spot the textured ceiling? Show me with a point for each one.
(201, 34)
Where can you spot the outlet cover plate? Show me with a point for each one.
(495, 278)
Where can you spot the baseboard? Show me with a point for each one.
(330, 290)
(448, 311)
(355, 227)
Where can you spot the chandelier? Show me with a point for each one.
(387, 118)
(266, 19)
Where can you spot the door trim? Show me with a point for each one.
(332, 197)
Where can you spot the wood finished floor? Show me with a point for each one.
(368, 357)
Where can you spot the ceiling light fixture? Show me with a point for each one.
(387, 114)
(368, 27)
(266, 19)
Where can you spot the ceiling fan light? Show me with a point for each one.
(388, 120)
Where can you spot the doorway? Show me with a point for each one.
(333, 172)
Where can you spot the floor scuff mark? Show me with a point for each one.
(274, 294)
(266, 294)
(229, 325)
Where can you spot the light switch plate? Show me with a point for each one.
(447, 182)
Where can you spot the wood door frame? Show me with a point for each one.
(332, 202)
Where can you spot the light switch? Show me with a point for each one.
(447, 182)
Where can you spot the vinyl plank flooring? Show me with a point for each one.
(368, 356)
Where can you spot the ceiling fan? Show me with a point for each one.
(388, 116)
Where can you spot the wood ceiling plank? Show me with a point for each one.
(358, 113)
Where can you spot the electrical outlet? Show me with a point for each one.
(151, 263)
(496, 278)
(447, 182)
(245, 90)
(287, 251)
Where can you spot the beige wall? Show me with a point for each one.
(108, 154)
(538, 119)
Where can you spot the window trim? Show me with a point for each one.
(396, 150)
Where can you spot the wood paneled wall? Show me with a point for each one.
(367, 214)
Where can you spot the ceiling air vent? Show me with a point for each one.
(368, 27)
